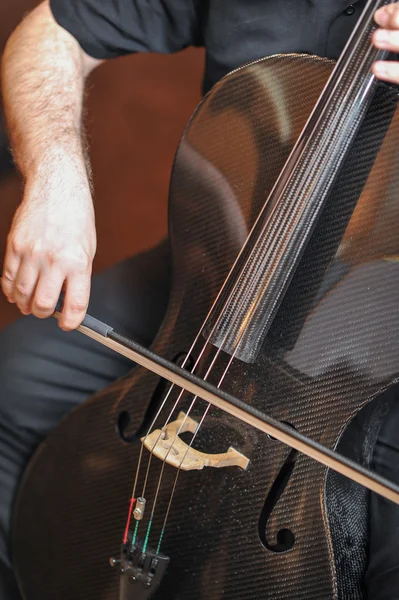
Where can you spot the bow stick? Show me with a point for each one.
(106, 335)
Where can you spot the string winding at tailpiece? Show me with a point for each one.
(142, 570)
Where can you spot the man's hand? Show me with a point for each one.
(387, 38)
(50, 247)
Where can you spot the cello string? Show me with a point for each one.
(171, 387)
(206, 343)
(364, 59)
(197, 429)
(168, 420)
(175, 438)
(208, 372)
(219, 350)
(210, 368)
(232, 356)
(133, 499)
(183, 459)
(182, 391)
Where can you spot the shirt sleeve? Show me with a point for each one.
(111, 28)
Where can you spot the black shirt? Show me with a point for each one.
(233, 31)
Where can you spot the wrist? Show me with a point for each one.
(59, 168)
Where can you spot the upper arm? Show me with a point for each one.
(39, 25)
(88, 62)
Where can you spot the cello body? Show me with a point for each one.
(284, 528)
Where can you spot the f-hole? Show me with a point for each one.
(123, 423)
(285, 538)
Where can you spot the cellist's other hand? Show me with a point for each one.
(387, 38)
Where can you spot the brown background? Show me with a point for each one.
(137, 108)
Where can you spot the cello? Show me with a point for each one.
(271, 301)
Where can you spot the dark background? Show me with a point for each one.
(137, 108)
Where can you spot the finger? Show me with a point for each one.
(25, 283)
(47, 292)
(388, 16)
(386, 70)
(75, 302)
(10, 271)
(386, 40)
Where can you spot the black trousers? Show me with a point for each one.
(44, 373)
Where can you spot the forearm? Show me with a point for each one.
(52, 240)
(43, 73)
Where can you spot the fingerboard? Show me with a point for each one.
(253, 291)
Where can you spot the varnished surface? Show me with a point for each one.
(333, 347)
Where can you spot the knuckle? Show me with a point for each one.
(394, 17)
(35, 253)
(8, 292)
(8, 278)
(16, 245)
(23, 307)
(69, 324)
(83, 261)
(22, 290)
(73, 262)
(77, 307)
(39, 314)
(44, 305)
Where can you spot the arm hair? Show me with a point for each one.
(43, 75)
